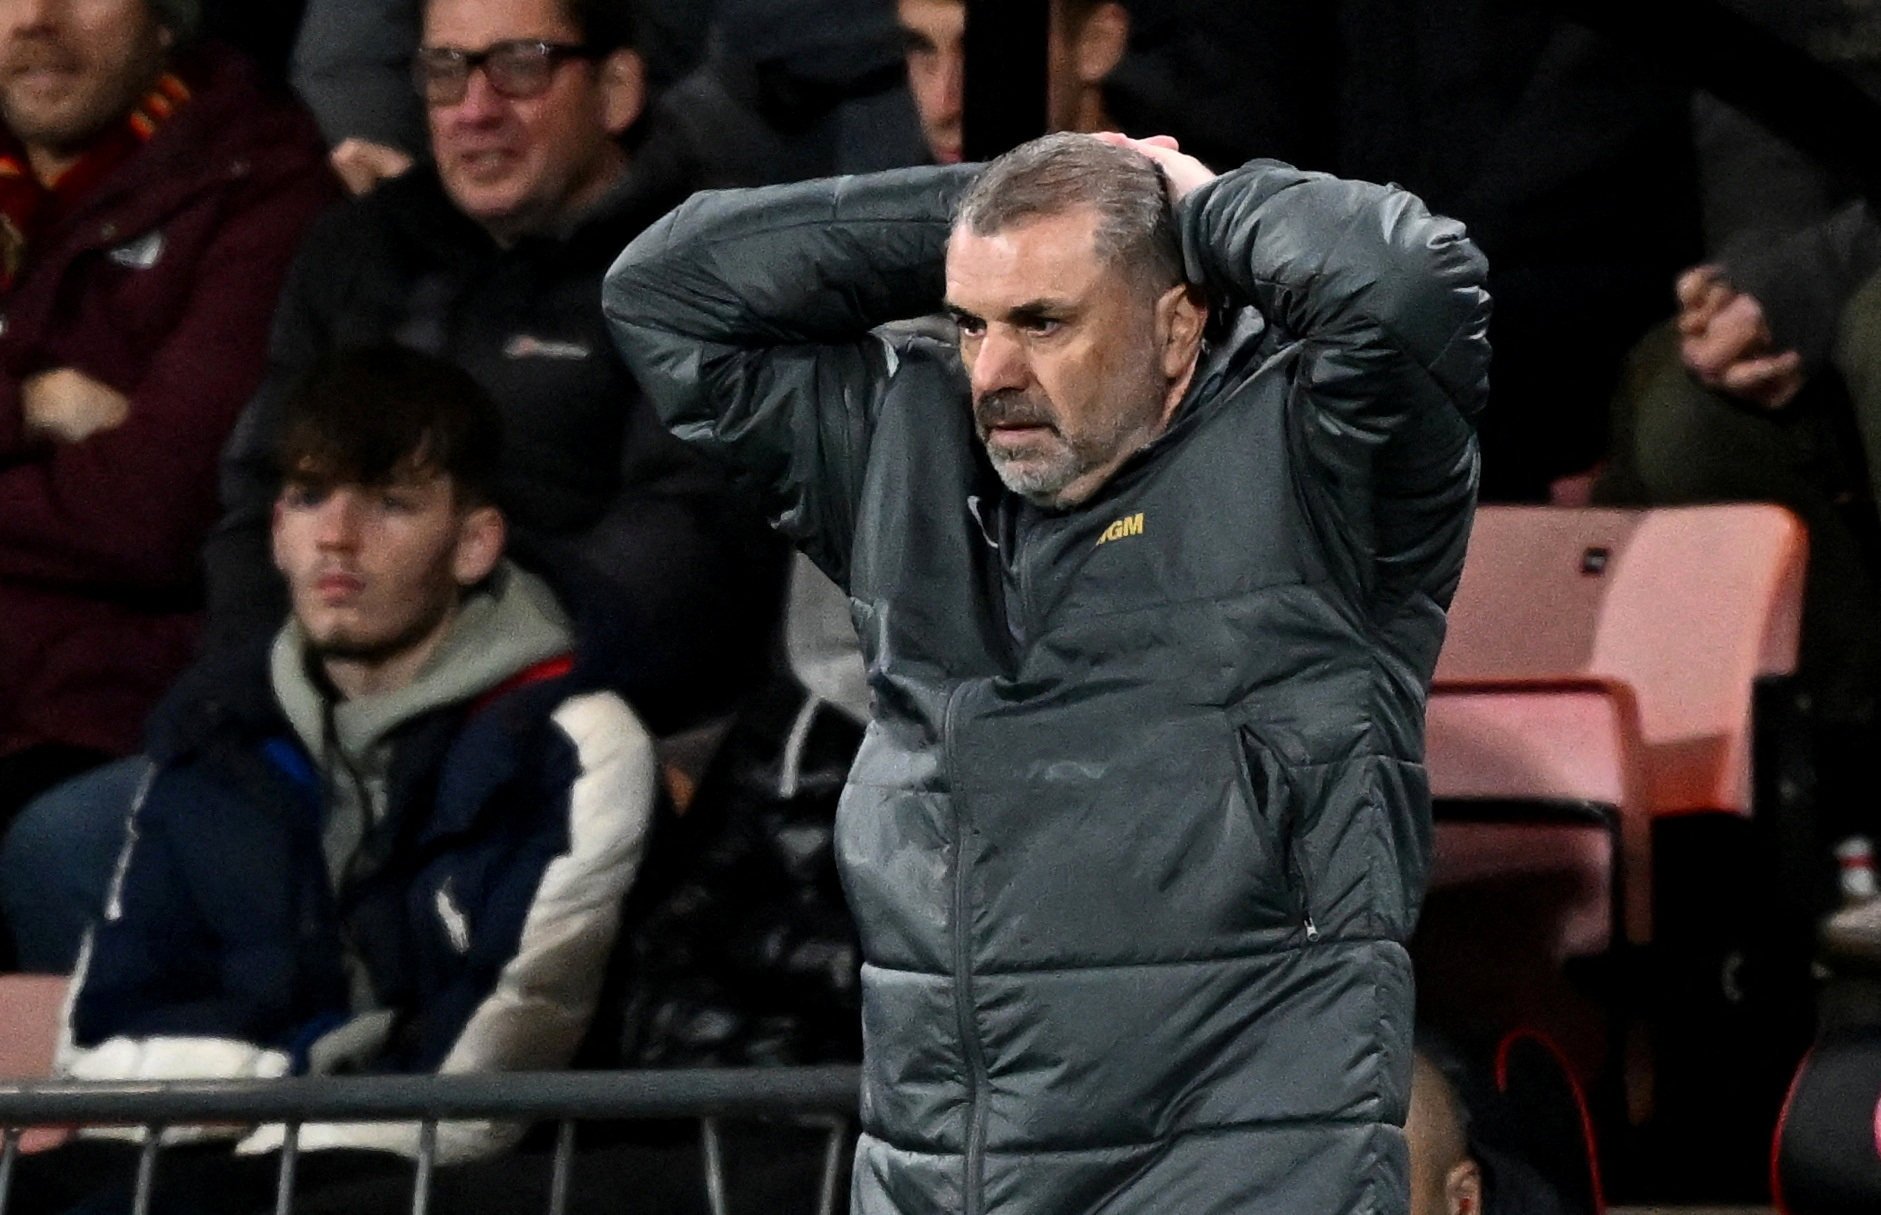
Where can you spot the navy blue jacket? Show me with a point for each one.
(482, 906)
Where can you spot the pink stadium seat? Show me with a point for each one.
(1570, 744)
(1609, 657)
(31, 1011)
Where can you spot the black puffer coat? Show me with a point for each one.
(1140, 826)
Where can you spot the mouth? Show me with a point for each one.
(486, 163)
(337, 588)
(1017, 440)
(41, 76)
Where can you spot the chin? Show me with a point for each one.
(1039, 486)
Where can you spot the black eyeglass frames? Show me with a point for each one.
(518, 69)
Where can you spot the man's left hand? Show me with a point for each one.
(66, 406)
(1183, 171)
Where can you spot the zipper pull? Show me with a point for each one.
(1312, 930)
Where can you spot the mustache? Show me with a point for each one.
(32, 50)
(1008, 407)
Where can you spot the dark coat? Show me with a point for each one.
(160, 285)
(599, 497)
(1140, 826)
(1803, 279)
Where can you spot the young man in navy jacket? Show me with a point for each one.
(395, 838)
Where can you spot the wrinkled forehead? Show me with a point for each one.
(1058, 250)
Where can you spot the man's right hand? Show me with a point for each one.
(1726, 343)
(1183, 171)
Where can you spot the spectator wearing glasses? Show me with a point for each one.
(492, 260)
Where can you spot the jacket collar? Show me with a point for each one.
(650, 186)
(228, 124)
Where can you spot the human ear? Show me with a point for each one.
(1181, 315)
(1463, 1188)
(1102, 41)
(622, 79)
(481, 534)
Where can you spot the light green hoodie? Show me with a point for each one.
(508, 624)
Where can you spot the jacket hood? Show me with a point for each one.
(503, 628)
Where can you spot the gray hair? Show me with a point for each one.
(1057, 173)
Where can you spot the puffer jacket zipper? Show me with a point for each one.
(971, 1198)
(1265, 773)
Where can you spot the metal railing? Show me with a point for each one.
(819, 1096)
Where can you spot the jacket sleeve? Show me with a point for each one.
(127, 509)
(157, 993)
(745, 316)
(1388, 305)
(1804, 279)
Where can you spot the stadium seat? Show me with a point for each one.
(31, 1010)
(1603, 669)
(1611, 657)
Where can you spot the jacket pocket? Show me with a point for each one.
(1274, 805)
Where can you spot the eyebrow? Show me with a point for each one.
(1031, 310)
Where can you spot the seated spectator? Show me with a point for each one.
(789, 90)
(736, 951)
(151, 198)
(492, 259)
(396, 838)
(1087, 40)
(1445, 1178)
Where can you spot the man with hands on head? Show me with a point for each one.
(1150, 570)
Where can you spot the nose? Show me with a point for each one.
(339, 520)
(951, 87)
(482, 104)
(998, 363)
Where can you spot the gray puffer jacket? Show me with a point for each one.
(1140, 825)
